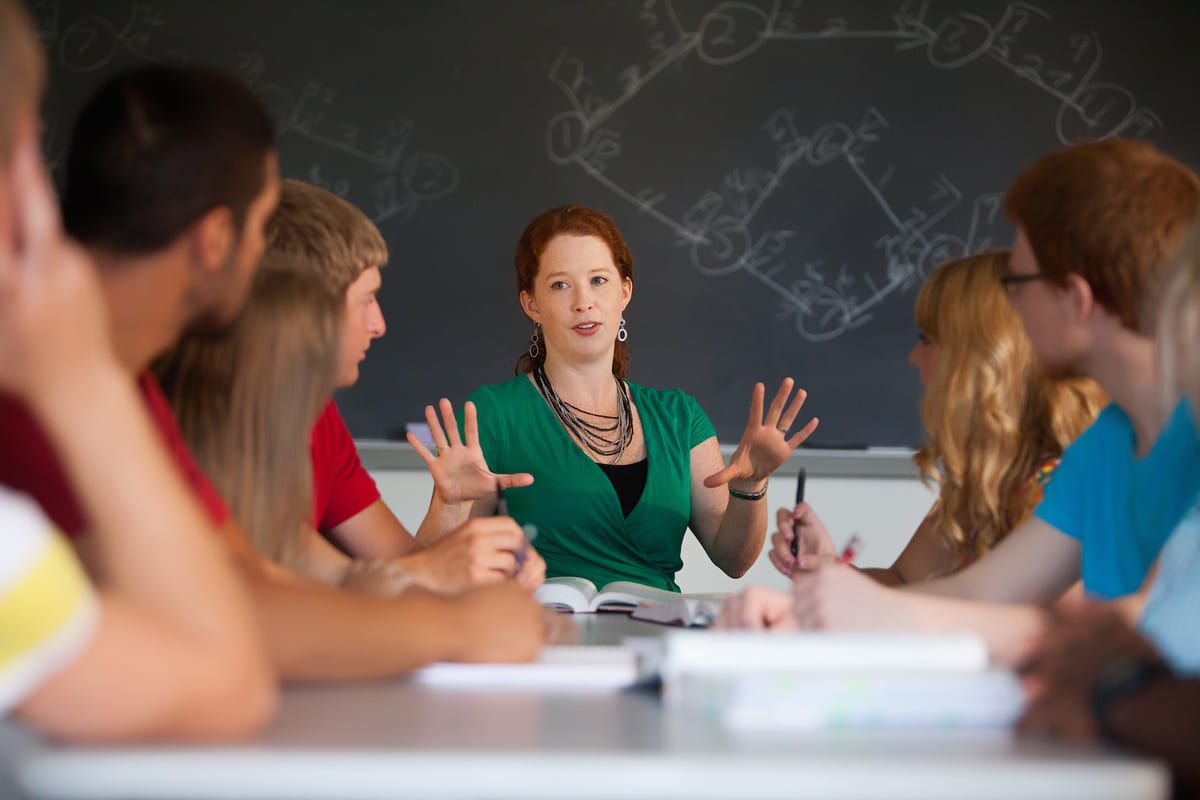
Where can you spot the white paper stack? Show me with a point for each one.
(557, 668)
(815, 681)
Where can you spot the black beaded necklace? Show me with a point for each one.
(606, 441)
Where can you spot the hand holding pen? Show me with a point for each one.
(801, 540)
(801, 480)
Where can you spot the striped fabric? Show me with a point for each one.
(48, 610)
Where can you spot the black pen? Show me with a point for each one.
(800, 478)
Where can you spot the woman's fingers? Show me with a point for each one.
(450, 422)
(798, 438)
(435, 429)
(793, 410)
(776, 408)
(756, 406)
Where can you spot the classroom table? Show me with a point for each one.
(395, 739)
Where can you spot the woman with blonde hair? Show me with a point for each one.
(246, 399)
(997, 427)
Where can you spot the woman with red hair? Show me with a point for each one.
(620, 470)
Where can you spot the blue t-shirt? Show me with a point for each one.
(1120, 507)
(1169, 618)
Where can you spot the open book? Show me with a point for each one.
(579, 595)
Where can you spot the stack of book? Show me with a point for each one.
(817, 681)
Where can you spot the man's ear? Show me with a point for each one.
(530, 307)
(1080, 297)
(213, 238)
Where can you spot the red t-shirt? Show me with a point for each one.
(29, 464)
(341, 486)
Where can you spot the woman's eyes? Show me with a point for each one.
(597, 280)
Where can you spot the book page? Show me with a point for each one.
(567, 593)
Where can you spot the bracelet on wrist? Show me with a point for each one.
(740, 495)
(1125, 676)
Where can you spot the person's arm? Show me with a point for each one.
(177, 653)
(1163, 720)
(1091, 661)
(731, 529)
(375, 532)
(321, 633)
(999, 597)
(1035, 563)
(480, 552)
(837, 597)
(924, 555)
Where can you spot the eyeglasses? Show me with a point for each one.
(1009, 281)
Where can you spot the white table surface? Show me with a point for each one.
(393, 739)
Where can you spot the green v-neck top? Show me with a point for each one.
(580, 528)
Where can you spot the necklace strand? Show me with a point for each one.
(589, 434)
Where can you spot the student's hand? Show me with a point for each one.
(532, 572)
(460, 473)
(1061, 675)
(377, 578)
(815, 545)
(499, 623)
(53, 320)
(480, 552)
(758, 608)
(765, 443)
(838, 597)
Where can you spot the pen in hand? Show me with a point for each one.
(850, 550)
(800, 479)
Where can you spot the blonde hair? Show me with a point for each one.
(992, 416)
(246, 401)
(24, 69)
(318, 232)
(1179, 325)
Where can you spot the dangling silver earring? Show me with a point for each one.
(534, 349)
(622, 333)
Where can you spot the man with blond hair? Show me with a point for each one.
(171, 175)
(319, 233)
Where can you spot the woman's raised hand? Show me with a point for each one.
(460, 472)
(765, 443)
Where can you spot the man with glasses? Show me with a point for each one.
(1097, 224)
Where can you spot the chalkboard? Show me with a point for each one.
(786, 172)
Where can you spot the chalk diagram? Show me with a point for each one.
(401, 179)
(719, 227)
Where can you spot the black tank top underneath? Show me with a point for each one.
(629, 481)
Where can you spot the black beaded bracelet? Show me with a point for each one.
(759, 495)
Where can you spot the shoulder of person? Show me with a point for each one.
(1111, 425)
(668, 399)
(500, 394)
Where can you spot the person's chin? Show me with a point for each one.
(348, 378)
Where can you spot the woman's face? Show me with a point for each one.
(924, 356)
(578, 298)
